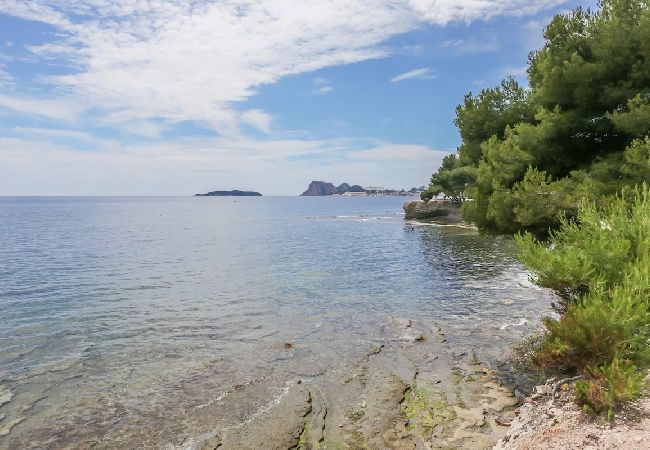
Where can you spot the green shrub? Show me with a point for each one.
(599, 265)
(601, 327)
(608, 386)
(594, 251)
(583, 123)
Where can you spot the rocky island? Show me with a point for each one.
(322, 188)
(234, 193)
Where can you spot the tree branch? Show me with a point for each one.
(560, 383)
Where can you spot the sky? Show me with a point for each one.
(161, 97)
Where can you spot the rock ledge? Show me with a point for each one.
(434, 211)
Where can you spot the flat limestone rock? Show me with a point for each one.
(280, 427)
(5, 395)
(397, 394)
(434, 211)
(385, 424)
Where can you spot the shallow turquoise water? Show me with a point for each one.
(109, 305)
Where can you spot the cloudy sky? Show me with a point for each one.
(162, 97)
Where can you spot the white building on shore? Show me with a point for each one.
(375, 190)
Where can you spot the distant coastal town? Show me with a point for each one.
(322, 188)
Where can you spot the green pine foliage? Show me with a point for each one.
(599, 266)
(567, 160)
(609, 386)
(580, 129)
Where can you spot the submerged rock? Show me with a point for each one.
(5, 395)
(395, 396)
(434, 211)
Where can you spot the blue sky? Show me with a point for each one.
(132, 97)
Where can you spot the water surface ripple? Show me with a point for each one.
(140, 310)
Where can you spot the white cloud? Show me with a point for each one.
(442, 12)
(5, 78)
(322, 86)
(36, 164)
(194, 60)
(34, 10)
(258, 119)
(420, 74)
(141, 127)
(53, 109)
(513, 72)
(36, 134)
(397, 152)
(322, 90)
(463, 47)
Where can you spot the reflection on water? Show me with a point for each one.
(128, 314)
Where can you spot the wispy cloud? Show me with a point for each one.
(36, 164)
(186, 60)
(513, 72)
(257, 119)
(423, 73)
(463, 47)
(322, 90)
(56, 132)
(322, 86)
(49, 108)
(5, 78)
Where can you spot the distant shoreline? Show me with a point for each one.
(234, 193)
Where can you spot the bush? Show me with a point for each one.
(594, 251)
(608, 386)
(582, 124)
(599, 265)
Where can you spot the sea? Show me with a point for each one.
(128, 315)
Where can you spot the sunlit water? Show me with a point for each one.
(137, 310)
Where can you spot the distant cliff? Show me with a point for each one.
(317, 188)
(321, 188)
(234, 193)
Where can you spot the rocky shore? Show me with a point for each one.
(413, 391)
(409, 391)
(434, 211)
(543, 423)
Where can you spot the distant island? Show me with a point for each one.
(234, 193)
(323, 188)
(320, 188)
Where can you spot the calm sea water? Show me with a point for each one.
(127, 313)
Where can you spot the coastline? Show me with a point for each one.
(542, 424)
(418, 223)
(372, 375)
(410, 390)
(441, 212)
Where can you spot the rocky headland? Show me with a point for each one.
(322, 188)
(234, 193)
(434, 211)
